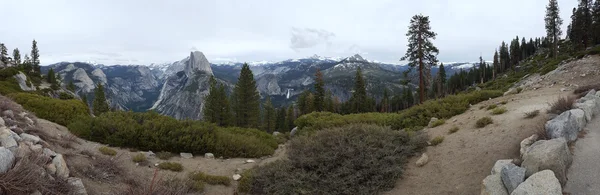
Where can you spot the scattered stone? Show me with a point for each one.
(543, 182)
(49, 153)
(293, 132)
(492, 185)
(527, 142)
(276, 133)
(15, 136)
(32, 138)
(209, 155)
(7, 158)
(582, 75)
(237, 177)
(9, 113)
(431, 121)
(548, 154)
(186, 155)
(512, 176)
(156, 164)
(36, 193)
(36, 148)
(250, 161)
(78, 188)
(454, 120)
(62, 170)
(497, 169)
(149, 154)
(423, 160)
(137, 164)
(6, 138)
(566, 125)
(563, 89)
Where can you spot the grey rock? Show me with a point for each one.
(36, 193)
(528, 142)
(237, 177)
(431, 121)
(276, 133)
(78, 187)
(598, 93)
(548, 154)
(8, 113)
(22, 80)
(250, 161)
(36, 148)
(62, 170)
(512, 176)
(2, 123)
(7, 158)
(588, 108)
(186, 155)
(32, 138)
(293, 132)
(209, 155)
(49, 153)
(511, 91)
(497, 169)
(566, 125)
(15, 136)
(492, 185)
(82, 81)
(149, 154)
(542, 183)
(51, 168)
(423, 160)
(6, 138)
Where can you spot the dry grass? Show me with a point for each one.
(493, 106)
(107, 151)
(482, 122)
(585, 89)
(27, 175)
(139, 158)
(437, 140)
(499, 110)
(532, 114)
(164, 155)
(158, 186)
(101, 168)
(540, 130)
(210, 179)
(66, 141)
(438, 123)
(453, 130)
(561, 104)
(172, 166)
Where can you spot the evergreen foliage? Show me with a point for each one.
(553, 23)
(246, 106)
(100, 105)
(319, 101)
(269, 116)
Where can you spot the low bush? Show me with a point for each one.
(438, 123)
(151, 131)
(65, 96)
(164, 155)
(532, 114)
(437, 140)
(519, 89)
(503, 102)
(493, 106)
(210, 179)
(172, 166)
(499, 110)
(169, 186)
(139, 158)
(25, 177)
(245, 183)
(107, 151)
(482, 122)
(59, 111)
(415, 116)
(453, 130)
(561, 104)
(583, 90)
(354, 159)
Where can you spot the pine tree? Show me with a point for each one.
(71, 86)
(359, 99)
(421, 52)
(385, 101)
(289, 119)
(17, 56)
(581, 25)
(442, 80)
(211, 110)
(495, 65)
(247, 99)
(225, 115)
(280, 122)
(482, 69)
(35, 58)
(27, 67)
(51, 77)
(329, 102)
(3, 54)
(553, 23)
(269, 117)
(515, 52)
(319, 92)
(596, 22)
(504, 57)
(100, 105)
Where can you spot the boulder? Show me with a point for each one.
(492, 185)
(186, 155)
(543, 183)
(51, 168)
(62, 170)
(250, 161)
(2, 123)
(9, 114)
(49, 153)
(276, 133)
(591, 94)
(512, 176)
(588, 108)
(37, 148)
(149, 154)
(237, 177)
(77, 186)
(7, 158)
(209, 155)
(23, 150)
(15, 136)
(598, 93)
(527, 142)
(548, 154)
(511, 91)
(566, 125)
(32, 138)
(431, 121)
(423, 160)
(293, 131)
(497, 169)
(6, 138)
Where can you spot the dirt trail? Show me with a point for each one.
(584, 174)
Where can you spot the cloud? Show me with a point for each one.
(309, 38)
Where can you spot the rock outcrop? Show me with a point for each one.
(183, 93)
(566, 125)
(22, 80)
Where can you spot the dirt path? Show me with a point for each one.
(464, 159)
(584, 174)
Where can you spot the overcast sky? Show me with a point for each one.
(158, 31)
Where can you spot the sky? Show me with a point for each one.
(159, 31)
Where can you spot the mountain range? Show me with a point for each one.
(177, 89)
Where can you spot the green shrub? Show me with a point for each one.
(503, 102)
(151, 131)
(172, 166)
(65, 96)
(245, 183)
(493, 106)
(415, 116)
(354, 159)
(197, 186)
(438, 123)
(164, 155)
(107, 151)
(210, 179)
(499, 110)
(139, 158)
(59, 111)
(9, 86)
(437, 140)
(482, 122)
(532, 114)
(453, 130)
